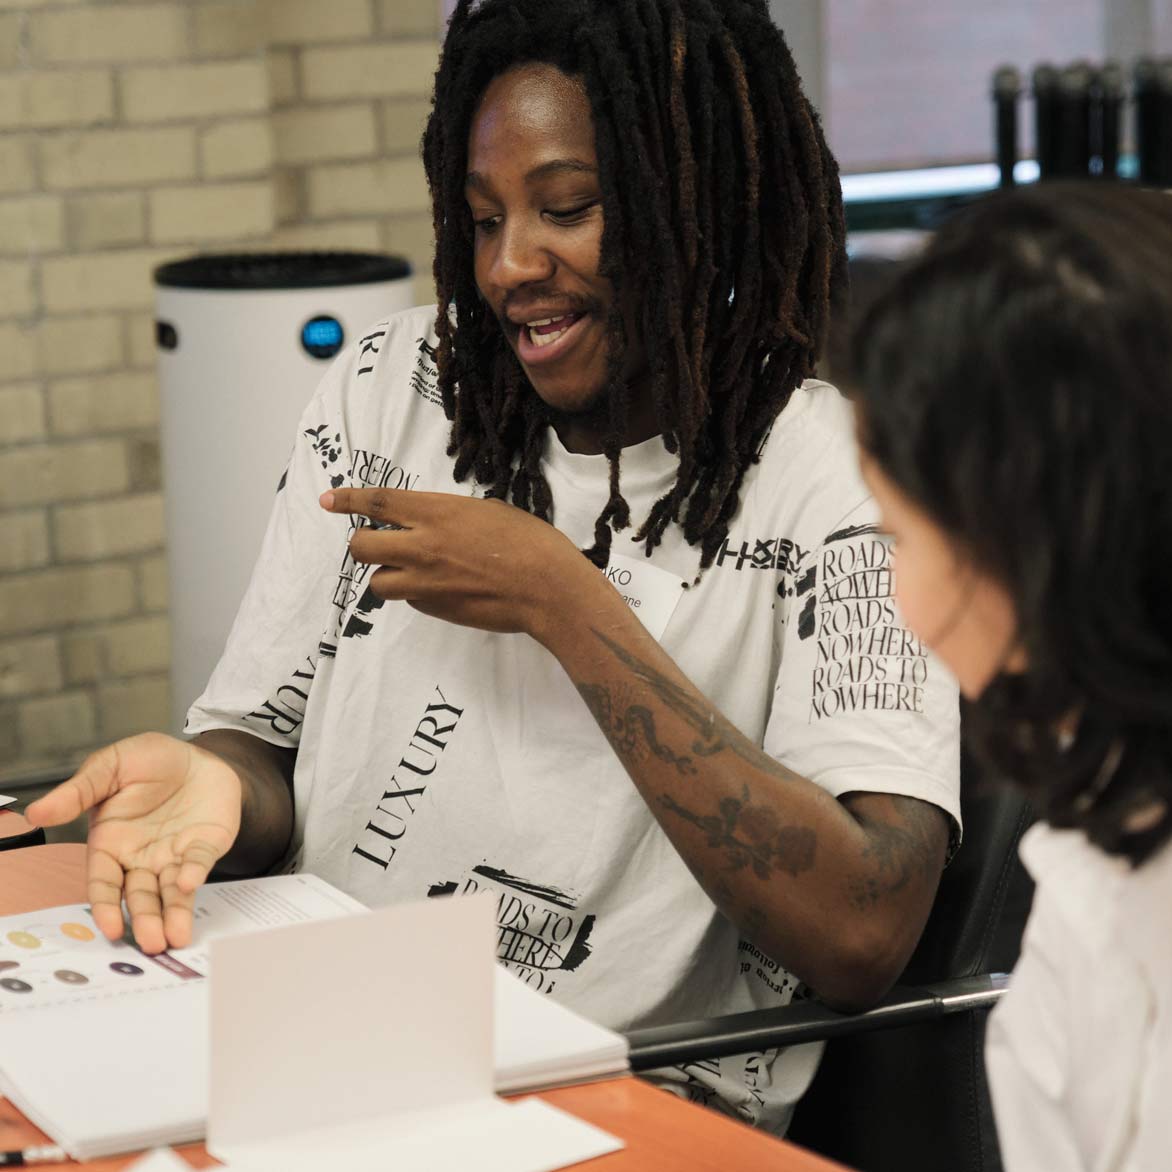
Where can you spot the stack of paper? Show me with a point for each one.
(322, 1017)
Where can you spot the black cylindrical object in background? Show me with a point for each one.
(1045, 86)
(1148, 119)
(1006, 91)
(1074, 122)
(1109, 94)
(1164, 143)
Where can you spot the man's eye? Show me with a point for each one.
(571, 215)
(486, 223)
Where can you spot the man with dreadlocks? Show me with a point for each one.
(699, 767)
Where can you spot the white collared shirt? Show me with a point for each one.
(1079, 1052)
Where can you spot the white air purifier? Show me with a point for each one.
(243, 341)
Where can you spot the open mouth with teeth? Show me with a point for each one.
(543, 339)
(547, 331)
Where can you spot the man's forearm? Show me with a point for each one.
(266, 788)
(836, 891)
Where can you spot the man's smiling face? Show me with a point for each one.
(534, 193)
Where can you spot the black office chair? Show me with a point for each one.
(914, 1098)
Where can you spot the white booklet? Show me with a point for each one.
(5, 801)
(107, 1049)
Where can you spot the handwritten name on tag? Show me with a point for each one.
(652, 593)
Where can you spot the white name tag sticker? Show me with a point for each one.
(652, 593)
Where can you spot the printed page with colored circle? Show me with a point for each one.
(104, 1047)
(58, 956)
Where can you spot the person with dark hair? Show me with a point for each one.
(698, 767)
(1015, 419)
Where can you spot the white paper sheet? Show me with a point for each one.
(4, 801)
(336, 1022)
(490, 1136)
(159, 1160)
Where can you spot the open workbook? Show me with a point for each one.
(107, 1049)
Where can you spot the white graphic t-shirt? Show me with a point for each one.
(436, 759)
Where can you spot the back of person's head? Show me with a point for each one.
(1016, 384)
(723, 228)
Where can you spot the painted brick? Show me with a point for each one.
(101, 280)
(134, 706)
(29, 667)
(9, 744)
(369, 71)
(153, 589)
(140, 340)
(44, 473)
(214, 211)
(385, 187)
(104, 221)
(18, 351)
(284, 86)
(56, 98)
(228, 29)
(77, 345)
(414, 238)
(10, 46)
(98, 530)
(363, 235)
(118, 158)
(57, 723)
(297, 22)
(237, 148)
(24, 540)
(403, 120)
(22, 413)
(409, 18)
(104, 404)
(137, 647)
(110, 32)
(310, 135)
(81, 657)
(16, 164)
(30, 224)
(145, 462)
(289, 196)
(18, 296)
(49, 599)
(152, 94)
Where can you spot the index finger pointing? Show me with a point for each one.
(390, 506)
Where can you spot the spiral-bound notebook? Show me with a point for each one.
(107, 1049)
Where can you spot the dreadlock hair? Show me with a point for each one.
(723, 225)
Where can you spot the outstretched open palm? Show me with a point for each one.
(162, 811)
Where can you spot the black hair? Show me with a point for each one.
(723, 223)
(1016, 384)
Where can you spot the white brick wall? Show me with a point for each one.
(131, 132)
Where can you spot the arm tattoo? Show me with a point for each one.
(751, 836)
(713, 733)
(748, 834)
(898, 850)
(623, 727)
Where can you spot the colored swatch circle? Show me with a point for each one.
(77, 931)
(5, 965)
(24, 940)
(15, 986)
(69, 977)
(127, 970)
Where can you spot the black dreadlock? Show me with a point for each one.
(723, 223)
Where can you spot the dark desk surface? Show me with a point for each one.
(662, 1133)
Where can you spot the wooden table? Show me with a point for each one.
(662, 1133)
(14, 827)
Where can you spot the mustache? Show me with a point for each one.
(537, 294)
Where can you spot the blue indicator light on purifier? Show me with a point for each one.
(322, 337)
